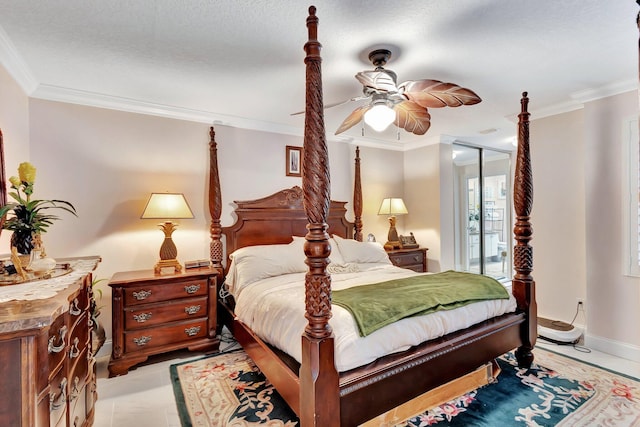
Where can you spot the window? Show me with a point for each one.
(631, 209)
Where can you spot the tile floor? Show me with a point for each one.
(144, 397)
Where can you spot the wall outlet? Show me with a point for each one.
(580, 302)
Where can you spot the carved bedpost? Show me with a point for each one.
(524, 287)
(319, 394)
(357, 200)
(215, 203)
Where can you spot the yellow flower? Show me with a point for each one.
(27, 172)
(15, 181)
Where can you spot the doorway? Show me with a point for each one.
(482, 197)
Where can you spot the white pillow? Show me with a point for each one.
(253, 263)
(335, 257)
(361, 252)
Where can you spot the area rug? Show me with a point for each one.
(229, 390)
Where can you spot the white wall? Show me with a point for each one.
(423, 199)
(613, 299)
(558, 214)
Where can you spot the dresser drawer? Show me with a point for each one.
(58, 396)
(78, 305)
(79, 338)
(138, 316)
(78, 380)
(166, 291)
(57, 343)
(143, 339)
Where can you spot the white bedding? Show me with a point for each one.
(274, 309)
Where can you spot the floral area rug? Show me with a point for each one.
(229, 390)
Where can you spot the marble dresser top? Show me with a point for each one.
(23, 314)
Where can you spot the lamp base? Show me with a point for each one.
(389, 246)
(165, 263)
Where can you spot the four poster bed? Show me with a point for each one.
(322, 385)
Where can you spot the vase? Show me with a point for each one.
(40, 265)
(22, 241)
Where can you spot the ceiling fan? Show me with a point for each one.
(405, 104)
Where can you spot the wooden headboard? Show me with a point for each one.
(275, 218)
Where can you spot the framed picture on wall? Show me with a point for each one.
(294, 161)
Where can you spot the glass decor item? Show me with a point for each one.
(39, 264)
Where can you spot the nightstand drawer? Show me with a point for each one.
(407, 259)
(155, 337)
(164, 291)
(153, 314)
(412, 259)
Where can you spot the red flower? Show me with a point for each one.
(622, 390)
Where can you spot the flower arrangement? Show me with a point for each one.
(30, 218)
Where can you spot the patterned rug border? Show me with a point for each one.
(594, 365)
(185, 419)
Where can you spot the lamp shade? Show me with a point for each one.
(167, 206)
(393, 206)
(379, 117)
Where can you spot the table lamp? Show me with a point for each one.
(167, 206)
(392, 207)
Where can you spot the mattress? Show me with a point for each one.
(274, 309)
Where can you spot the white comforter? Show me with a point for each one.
(274, 309)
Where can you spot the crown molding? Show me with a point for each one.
(15, 65)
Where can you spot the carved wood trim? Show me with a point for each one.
(357, 199)
(523, 284)
(215, 203)
(319, 396)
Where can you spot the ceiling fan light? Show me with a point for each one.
(379, 117)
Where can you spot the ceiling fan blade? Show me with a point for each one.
(412, 117)
(353, 119)
(335, 104)
(378, 80)
(436, 94)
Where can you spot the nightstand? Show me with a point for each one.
(154, 314)
(413, 259)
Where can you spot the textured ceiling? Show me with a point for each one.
(240, 63)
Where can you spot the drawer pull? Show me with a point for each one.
(192, 331)
(74, 310)
(142, 295)
(192, 289)
(57, 349)
(192, 309)
(62, 399)
(417, 258)
(73, 351)
(142, 317)
(143, 340)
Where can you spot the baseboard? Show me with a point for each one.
(616, 348)
(105, 350)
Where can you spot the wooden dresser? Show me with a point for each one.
(413, 259)
(47, 368)
(154, 314)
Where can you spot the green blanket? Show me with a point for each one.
(376, 305)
